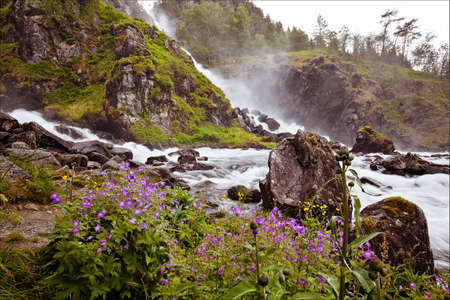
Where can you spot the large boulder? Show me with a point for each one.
(154, 160)
(370, 141)
(28, 137)
(11, 170)
(408, 164)
(46, 139)
(40, 158)
(404, 233)
(271, 123)
(92, 146)
(75, 160)
(123, 153)
(298, 168)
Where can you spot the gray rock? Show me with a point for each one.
(90, 147)
(124, 153)
(113, 163)
(153, 159)
(11, 170)
(73, 133)
(37, 157)
(31, 206)
(98, 157)
(28, 137)
(298, 167)
(20, 145)
(46, 139)
(408, 165)
(76, 160)
(93, 165)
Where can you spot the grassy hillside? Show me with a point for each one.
(415, 104)
(76, 71)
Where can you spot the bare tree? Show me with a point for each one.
(408, 33)
(389, 17)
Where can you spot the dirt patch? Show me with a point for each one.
(35, 218)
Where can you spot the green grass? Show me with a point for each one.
(73, 102)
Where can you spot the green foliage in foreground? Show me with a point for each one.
(133, 238)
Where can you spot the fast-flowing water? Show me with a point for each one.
(246, 167)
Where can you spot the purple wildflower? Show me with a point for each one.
(97, 228)
(56, 199)
(426, 295)
(220, 270)
(412, 285)
(132, 221)
(301, 282)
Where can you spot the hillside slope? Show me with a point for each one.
(88, 64)
(329, 94)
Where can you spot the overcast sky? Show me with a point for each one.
(359, 16)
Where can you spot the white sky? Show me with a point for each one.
(359, 16)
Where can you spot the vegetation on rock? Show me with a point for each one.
(99, 68)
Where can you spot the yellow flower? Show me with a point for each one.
(64, 177)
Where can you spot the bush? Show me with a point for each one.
(111, 243)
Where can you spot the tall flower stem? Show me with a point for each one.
(345, 238)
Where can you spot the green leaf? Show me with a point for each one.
(357, 213)
(309, 296)
(358, 181)
(333, 282)
(362, 239)
(147, 259)
(277, 293)
(333, 225)
(241, 289)
(363, 278)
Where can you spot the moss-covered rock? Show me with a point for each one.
(369, 140)
(298, 169)
(404, 233)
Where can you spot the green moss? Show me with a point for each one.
(146, 132)
(368, 225)
(164, 81)
(400, 208)
(72, 102)
(370, 132)
(5, 11)
(108, 15)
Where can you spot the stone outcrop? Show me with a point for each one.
(404, 233)
(408, 165)
(298, 168)
(40, 158)
(11, 171)
(330, 96)
(370, 141)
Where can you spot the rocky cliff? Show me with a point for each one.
(88, 64)
(335, 97)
